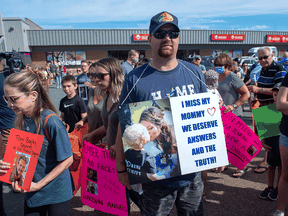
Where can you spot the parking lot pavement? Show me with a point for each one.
(226, 196)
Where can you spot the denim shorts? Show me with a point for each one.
(283, 140)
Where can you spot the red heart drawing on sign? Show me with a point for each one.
(211, 111)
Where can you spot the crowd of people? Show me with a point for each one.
(99, 94)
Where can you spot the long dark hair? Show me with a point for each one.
(155, 116)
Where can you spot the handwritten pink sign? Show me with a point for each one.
(241, 142)
(101, 189)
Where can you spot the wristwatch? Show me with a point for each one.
(262, 90)
(234, 106)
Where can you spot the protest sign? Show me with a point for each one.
(182, 135)
(267, 120)
(22, 153)
(101, 189)
(241, 142)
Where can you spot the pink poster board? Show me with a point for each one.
(100, 188)
(241, 142)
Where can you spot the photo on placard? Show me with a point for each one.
(83, 92)
(251, 150)
(19, 169)
(92, 188)
(91, 174)
(150, 144)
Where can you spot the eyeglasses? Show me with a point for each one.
(162, 34)
(12, 99)
(264, 57)
(97, 75)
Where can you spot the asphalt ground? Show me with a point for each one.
(226, 196)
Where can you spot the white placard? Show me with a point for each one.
(199, 132)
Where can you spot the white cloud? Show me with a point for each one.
(256, 27)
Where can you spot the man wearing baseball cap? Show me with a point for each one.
(164, 77)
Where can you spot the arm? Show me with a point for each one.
(255, 89)
(63, 165)
(244, 95)
(81, 122)
(282, 103)
(120, 160)
(88, 137)
(83, 115)
(62, 116)
(3, 165)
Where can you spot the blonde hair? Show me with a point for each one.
(133, 135)
(27, 82)
(113, 67)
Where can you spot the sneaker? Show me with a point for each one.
(264, 194)
(273, 195)
(278, 213)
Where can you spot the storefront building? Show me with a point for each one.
(70, 46)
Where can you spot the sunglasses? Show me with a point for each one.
(162, 34)
(218, 65)
(12, 99)
(97, 75)
(264, 57)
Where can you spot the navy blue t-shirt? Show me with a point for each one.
(7, 115)
(61, 188)
(154, 85)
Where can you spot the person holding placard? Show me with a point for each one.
(165, 76)
(282, 105)
(51, 188)
(233, 91)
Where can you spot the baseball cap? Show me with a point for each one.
(161, 19)
(276, 86)
(197, 57)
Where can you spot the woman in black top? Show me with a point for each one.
(282, 105)
(109, 77)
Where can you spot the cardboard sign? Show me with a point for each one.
(184, 135)
(101, 189)
(267, 120)
(241, 142)
(22, 153)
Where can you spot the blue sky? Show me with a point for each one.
(265, 15)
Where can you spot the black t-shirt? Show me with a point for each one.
(72, 109)
(138, 164)
(284, 121)
(247, 76)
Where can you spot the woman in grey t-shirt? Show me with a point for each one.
(232, 89)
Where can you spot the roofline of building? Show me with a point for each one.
(148, 30)
(34, 23)
(13, 19)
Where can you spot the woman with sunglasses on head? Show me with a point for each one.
(232, 89)
(51, 188)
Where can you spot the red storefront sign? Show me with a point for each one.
(140, 37)
(277, 38)
(228, 37)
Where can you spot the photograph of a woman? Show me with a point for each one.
(156, 117)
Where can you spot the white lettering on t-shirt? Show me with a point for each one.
(179, 91)
(156, 95)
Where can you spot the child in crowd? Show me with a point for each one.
(141, 166)
(72, 107)
(273, 159)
